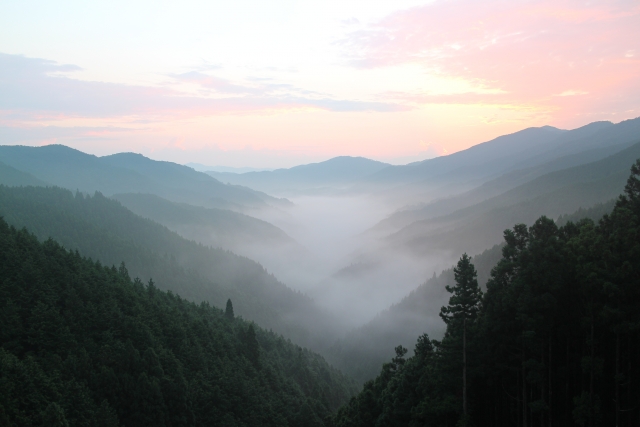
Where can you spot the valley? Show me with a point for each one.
(347, 258)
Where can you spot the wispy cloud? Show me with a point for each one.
(540, 52)
(39, 88)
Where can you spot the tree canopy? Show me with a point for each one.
(82, 344)
(557, 340)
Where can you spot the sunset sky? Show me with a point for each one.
(279, 83)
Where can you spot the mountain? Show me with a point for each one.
(490, 158)
(129, 172)
(510, 159)
(209, 226)
(332, 174)
(479, 226)
(364, 349)
(523, 352)
(13, 177)
(597, 140)
(84, 345)
(204, 168)
(106, 231)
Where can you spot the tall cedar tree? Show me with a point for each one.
(228, 312)
(462, 310)
(556, 341)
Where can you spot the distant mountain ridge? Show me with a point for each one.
(106, 231)
(209, 226)
(473, 228)
(336, 172)
(488, 158)
(580, 146)
(205, 168)
(129, 172)
(363, 350)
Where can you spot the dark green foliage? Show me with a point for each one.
(460, 316)
(557, 341)
(84, 345)
(228, 311)
(594, 213)
(362, 351)
(464, 303)
(104, 230)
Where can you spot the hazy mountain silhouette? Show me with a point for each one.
(573, 148)
(363, 350)
(128, 172)
(337, 172)
(478, 226)
(210, 226)
(13, 177)
(106, 231)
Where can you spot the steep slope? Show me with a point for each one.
(362, 351)
(209, 226)
(334, 173)
(599, 144)
(558, 299)
(515, 158)
(13, 177)
(128, 172)
(490, 158)
(84, 345)
(106, 231)
(561, 192)
(186, 185)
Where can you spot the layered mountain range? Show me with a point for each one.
(177, 225)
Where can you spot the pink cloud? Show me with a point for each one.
(532, 51)
(37, 89)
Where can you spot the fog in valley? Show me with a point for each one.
(320, 213)
(349, 259)
(345, 271)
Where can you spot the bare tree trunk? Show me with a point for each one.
(617, 378)
(591, 373)
(550, 388)
(464, 368)
(518, 403)
(542, 396)
(524, 391)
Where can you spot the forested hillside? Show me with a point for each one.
(363, 350)
(106, 231)
(13, 177)
(209, 226)
(476, 227)
(569, 149)
(84, 345)
(130, 172)
(554, 340)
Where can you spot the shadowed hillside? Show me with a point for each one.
(106, 231)
(128, 172)
(84, 345)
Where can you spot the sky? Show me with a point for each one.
(274, 84)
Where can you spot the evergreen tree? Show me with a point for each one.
(252, 346)
(228, 312)
(462, 310)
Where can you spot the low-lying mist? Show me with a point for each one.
(342, 268)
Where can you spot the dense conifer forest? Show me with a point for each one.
(103, 229)
(85, 345)
(554, 340)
